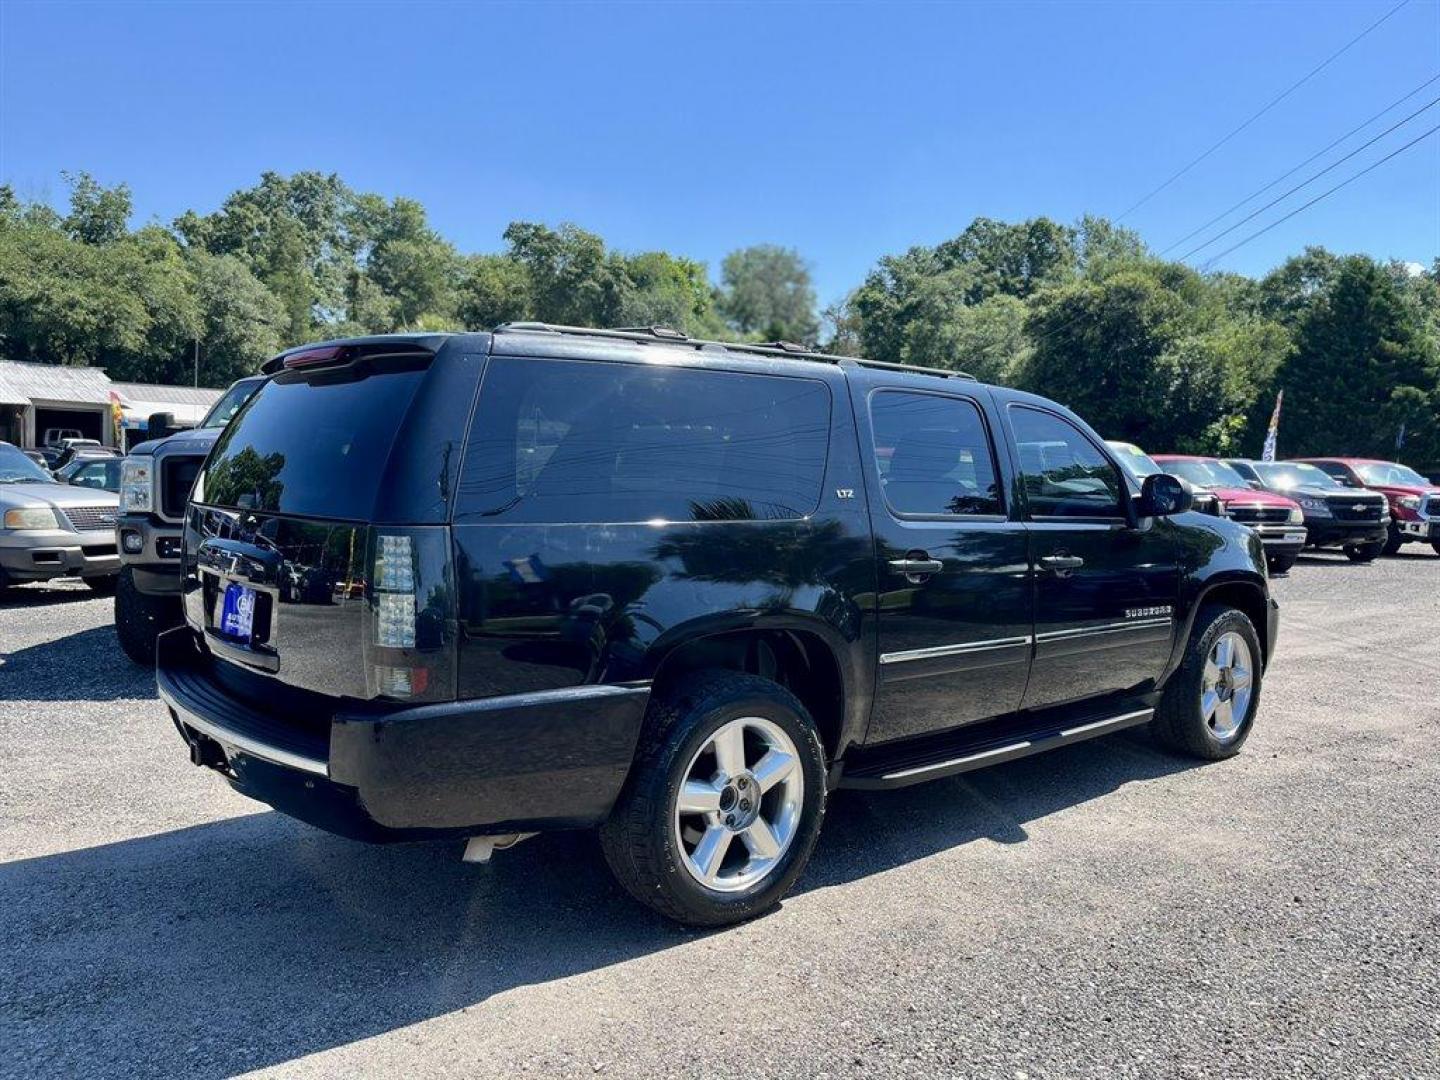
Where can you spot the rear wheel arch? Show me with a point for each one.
(798, 659)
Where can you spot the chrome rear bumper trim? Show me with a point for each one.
(245, 743)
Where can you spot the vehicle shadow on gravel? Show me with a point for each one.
(868, 832)
(46, 594)
(87, 666)
(254, 941)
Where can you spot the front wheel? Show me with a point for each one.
(1209, 705)
(140, 619)
(103, 585)
(1363, 553)
(723, 804)
(1435, 544)
(1281, 564)
(1393, 541)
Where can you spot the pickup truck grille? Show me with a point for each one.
(1432, 506)
(1259, 515)
(91, 518)
(1355, 509)
(177, 477)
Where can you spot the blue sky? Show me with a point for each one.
(846, 131)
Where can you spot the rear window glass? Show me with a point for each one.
(312, 445)
(565, 441)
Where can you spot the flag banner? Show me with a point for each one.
(1273, 435)
(117, 414)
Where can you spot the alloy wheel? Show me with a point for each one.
(1227, 685)
(738, 807)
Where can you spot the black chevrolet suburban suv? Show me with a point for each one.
(482, 585)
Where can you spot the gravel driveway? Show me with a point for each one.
(1105, 910)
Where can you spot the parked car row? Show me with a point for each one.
(1365, 507)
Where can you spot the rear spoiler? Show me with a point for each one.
(346, 351)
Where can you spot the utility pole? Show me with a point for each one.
(197, 363)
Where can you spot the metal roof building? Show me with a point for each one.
(47, 401)
(188, 404)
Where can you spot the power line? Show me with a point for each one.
(1305, 183)
(1322, 195)
(1285, 175)
(1268, 106)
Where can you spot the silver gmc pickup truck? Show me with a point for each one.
(155, 481)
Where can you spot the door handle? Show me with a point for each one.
(1062, 565)
(916, 566)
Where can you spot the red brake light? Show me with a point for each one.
(310, 357)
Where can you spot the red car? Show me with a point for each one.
(1279, 521)
(1414, 501)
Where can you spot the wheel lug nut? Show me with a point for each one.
(729, 819)
(743, 783)
(744, 804)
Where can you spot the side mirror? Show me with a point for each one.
(1162, 495)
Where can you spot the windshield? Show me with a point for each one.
(230, 403)
(16, 468)
(1133, 458)
(1289, 474)
(1389, 474)
(1206, 474)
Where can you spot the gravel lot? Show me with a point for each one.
(1105, 910)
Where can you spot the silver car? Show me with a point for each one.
(50, 529)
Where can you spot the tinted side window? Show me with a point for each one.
(1064, 473)
(575, 441)
(933, 455)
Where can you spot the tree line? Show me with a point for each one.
(1147, 350)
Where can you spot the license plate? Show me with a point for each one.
(237, 613)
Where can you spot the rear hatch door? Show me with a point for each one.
(326, 471)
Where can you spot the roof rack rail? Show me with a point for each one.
(786, 349)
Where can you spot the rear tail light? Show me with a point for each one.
(395, 593)
(411, 642)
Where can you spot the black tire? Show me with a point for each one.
(1363, 553)
(140, 619)
(638, 840)
(104, 585)
(1281, 564)
(1179, 722)
(1435, 544)
(1393, 542)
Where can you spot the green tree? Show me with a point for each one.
(242, 322)
(494, 289)
(98, 215)
(1363, 366)
(1098, 349)
(766, 292)
(410, 264)
(298, 234)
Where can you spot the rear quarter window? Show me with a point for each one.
(557, 441)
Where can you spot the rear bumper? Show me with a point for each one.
(1330, 533)
(40, 554)
(522, 763)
